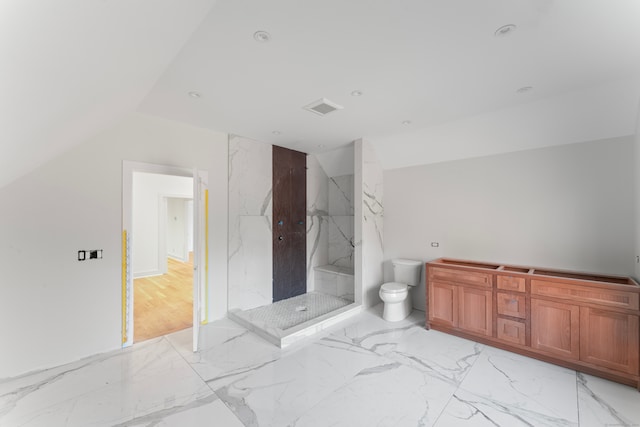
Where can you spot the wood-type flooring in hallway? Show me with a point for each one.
(164, 304)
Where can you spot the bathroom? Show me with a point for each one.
(344, 227)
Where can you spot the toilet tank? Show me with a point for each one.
(406, 271)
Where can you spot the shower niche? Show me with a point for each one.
(326, 260)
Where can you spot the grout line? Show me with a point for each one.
(459, 386)
(203, 380)
(188, 363)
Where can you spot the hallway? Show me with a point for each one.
(164, 304)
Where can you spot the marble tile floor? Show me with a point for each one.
(363, 372)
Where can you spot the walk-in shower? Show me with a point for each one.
(329, 244)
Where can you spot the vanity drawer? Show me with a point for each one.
(511, 305)
(460, 276)
(512, 331)
(578, 293)
(511, 283)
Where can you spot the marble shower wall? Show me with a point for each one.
(329, 222)
(368, 222)
(340, 221)
(329, 229)
(250, 213)
(317, 211)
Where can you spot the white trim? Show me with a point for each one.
(151, 273)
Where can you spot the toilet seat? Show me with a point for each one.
(393, 288)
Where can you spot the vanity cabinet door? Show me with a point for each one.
(609, 339)
(443, 304)
(555, 328)
(475, 312)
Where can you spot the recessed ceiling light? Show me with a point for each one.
(525, 89)
(276, 132)
(356, 93)
(195, 94)
(261, 36)
(406, 122)
(505, 30)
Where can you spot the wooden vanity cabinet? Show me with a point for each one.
(462, 300)
(474, 314)
(555, 328)
(587, 322)
(609, 339)
(465, 308)
(444, 304)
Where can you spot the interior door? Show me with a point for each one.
(289, 223)
(200, 253)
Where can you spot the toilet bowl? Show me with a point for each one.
(397, 301)
(395, 295)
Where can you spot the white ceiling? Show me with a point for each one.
(70, 68)
(431, 62)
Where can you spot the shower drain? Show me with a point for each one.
(301, 308)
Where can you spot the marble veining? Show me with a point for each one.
(317, 210)
(607, 403)
(317, 247)
(330, 226)
(369, 240)
(363, 372)
(468, 409)
(250, 217)
(341, 195)
(341, 247)
(156, 417)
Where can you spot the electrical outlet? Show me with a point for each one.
(435, 244)
(82, 255)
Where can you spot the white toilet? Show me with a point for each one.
(395, 295)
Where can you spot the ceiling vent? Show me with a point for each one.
(322, 107)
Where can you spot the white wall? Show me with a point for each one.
(177, 228)
(147, 236)
(637, 193)
(568, 207)
(55, 309)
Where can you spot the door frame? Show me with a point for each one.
(200, 228)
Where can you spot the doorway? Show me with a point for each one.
(164, 251)
(162, 262)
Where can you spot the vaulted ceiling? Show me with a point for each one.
(71, 68)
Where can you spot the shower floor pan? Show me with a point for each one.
(285, 322)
